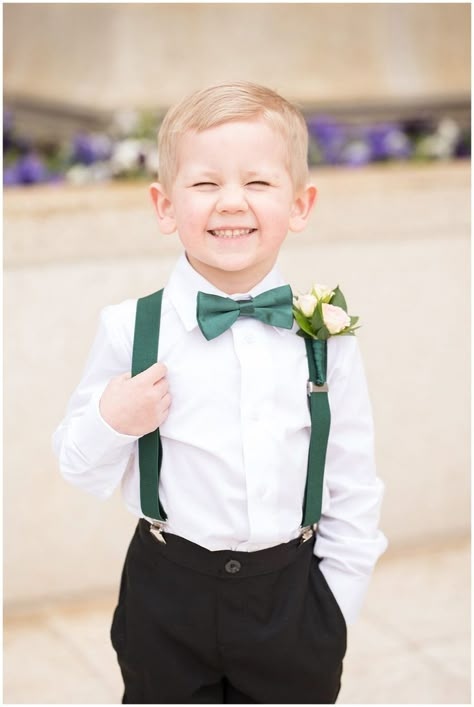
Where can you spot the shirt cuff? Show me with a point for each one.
(97, 436)
(349, 590)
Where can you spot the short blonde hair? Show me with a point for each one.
(225, 102)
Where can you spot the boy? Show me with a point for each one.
(224, 596)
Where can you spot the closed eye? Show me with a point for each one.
(212, 184)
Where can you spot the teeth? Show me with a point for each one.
(232, 233)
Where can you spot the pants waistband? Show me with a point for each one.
(228, 564)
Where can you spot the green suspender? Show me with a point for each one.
(145, 354)
(316, 351)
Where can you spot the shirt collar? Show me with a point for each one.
(185, 282)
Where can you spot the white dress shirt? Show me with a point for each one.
(236, 439)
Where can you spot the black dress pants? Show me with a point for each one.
(195, 626)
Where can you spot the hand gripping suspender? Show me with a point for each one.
(145, 354)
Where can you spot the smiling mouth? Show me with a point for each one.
(232, 232)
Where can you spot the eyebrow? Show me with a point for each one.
(261, 173)
(211, 174)
(193, 173)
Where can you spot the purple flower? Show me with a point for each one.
(31, 169)
(88, 149)
(356, 153)
(330, 137)
(388, 141)
(11, 176)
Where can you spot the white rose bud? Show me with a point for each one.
(307, 304)
(322, 292)
(335, 318)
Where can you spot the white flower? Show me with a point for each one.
(126, 156)
(322, 292)
(335, 318)
(78, 174)
(449, 130)
(306, 304)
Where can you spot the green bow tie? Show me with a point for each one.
(216, 314)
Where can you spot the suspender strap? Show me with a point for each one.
(316, 351)
(145, 354)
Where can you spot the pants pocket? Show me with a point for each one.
(118, 627)
(328, 591)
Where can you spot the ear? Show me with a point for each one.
(301, 208)
(164, 209)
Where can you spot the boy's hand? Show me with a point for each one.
(138, 405)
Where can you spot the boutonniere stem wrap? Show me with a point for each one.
(320, 314)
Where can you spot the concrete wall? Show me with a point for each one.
(396, 239)
(116, 55)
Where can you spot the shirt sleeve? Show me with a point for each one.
(92, 454)
(348, 539)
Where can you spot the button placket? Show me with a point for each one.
(257, 383)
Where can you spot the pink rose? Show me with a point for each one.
(335, 318)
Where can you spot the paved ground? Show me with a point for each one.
(411, 645)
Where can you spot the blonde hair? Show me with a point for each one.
(225, 102)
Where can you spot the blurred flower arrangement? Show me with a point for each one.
(127, 150)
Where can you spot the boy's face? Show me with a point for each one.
(232, 202)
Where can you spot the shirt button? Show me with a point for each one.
(249, 339)
(232, 566)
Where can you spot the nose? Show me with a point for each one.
(231, 199)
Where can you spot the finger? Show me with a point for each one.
(166, 401)
(160, 389)
(153, 374)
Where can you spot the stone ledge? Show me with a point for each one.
(47, 224)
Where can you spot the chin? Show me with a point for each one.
(234, 266)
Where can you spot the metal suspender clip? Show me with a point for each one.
(156, 529)
(313, 388)
(307, 532)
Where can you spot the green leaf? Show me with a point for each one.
(323, 333)
(317, 320)
(302, 322)
(351, 330)
(338, 300)
(354, 320)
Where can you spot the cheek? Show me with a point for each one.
(192, 215)
(278, 216)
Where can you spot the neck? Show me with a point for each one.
(229, 281)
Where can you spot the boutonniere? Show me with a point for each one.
(322, 313)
